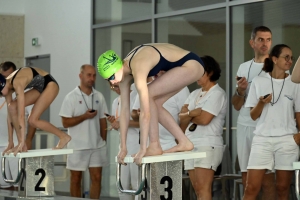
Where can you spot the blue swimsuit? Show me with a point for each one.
(164, 64)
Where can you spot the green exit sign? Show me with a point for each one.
(35, 41)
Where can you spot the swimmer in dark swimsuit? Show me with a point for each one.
(182, 68)
(44, 91)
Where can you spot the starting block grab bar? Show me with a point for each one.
(35, 171)
(157, 170)
(19, 172)
(141, 186)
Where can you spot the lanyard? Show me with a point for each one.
(272, 103)
(250, 69)
(85, 101)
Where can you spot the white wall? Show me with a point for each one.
(12, 7)
(64, 30)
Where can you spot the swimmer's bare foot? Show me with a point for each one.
(150, 152)
(24, 149)
(63, 141)
(154, 149)
(183, 146)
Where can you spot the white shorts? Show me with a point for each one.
(273, 152)
(244, 135)
(212, 160)
(81, 160)
(11, 170)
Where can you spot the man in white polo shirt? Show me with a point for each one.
(82, 113)
(261, 41)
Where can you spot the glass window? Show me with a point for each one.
(173, 5)
(121, 39)
(282, 19)
(199, 33)
(116, 10)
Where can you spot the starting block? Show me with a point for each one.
(160, 177)
(296, 166)
(35, 172)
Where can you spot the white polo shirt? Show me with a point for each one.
(85, 135)
(276, 120)
(251, 69)
(173, 105)
(214, 102)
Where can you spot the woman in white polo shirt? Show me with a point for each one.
(204, 115)
(274, 99)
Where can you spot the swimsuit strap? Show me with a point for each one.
(12, 80)
(155, 49)
(133, 53)
(34, 72)
(135, 50)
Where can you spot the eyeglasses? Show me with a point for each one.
(288, 58)
(111, 78)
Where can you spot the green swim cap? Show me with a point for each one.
(109, 63)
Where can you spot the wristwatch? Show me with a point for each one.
(237, 93)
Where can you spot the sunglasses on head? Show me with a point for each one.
(111, 78)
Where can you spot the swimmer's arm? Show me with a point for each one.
(141, 66)
(21, 113)
(103, 128)
(144, 119)
(125, 110)
(10, 129)
(202, 117)
(10, 126)
(296, 72)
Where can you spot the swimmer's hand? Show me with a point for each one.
(21, 147)
(121, 155)
(138, 157)
(8, 148)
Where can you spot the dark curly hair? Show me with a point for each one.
(276, 51)
(211, 65)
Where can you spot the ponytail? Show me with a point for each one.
(268, 65)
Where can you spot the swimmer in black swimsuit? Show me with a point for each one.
(182, 68)
(44, 90)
